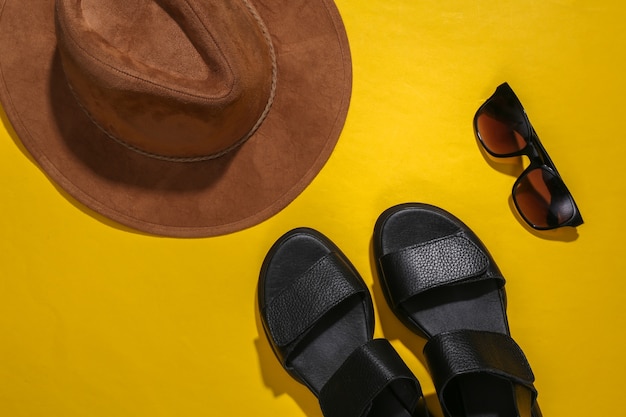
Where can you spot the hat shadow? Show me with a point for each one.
(8, 126)
(68, 197)
(20, 146)
(114, 162)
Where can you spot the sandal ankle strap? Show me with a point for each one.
(371, 368)
(463, 352)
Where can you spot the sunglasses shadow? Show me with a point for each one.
(563, 234)
(514, 166)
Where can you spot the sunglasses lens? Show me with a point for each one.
(542, 199)
(502, 127)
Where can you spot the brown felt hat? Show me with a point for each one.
(177, 117)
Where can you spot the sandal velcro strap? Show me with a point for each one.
(368, 370)
(464, 352)
(443, 261)
(323, 286)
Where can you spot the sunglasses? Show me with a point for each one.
(540, 195)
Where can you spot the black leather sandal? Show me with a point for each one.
(318, 316)
(440, 281)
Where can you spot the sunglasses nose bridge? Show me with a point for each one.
(537, 153)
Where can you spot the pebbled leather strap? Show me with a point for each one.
(463, 352)
(442, 261)
(371, 368)
(323, 286)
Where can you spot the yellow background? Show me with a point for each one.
(98, 320)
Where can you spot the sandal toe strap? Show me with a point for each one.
(368, 370)
(323, 286)
(443, 261)
(464, 352)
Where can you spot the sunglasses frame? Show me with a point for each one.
(535, 152)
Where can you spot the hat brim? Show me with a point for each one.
(178, 199)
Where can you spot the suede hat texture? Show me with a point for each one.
(184, 118)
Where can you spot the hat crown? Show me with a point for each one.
(181, 80)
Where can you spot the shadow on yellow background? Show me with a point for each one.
(514, 167)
